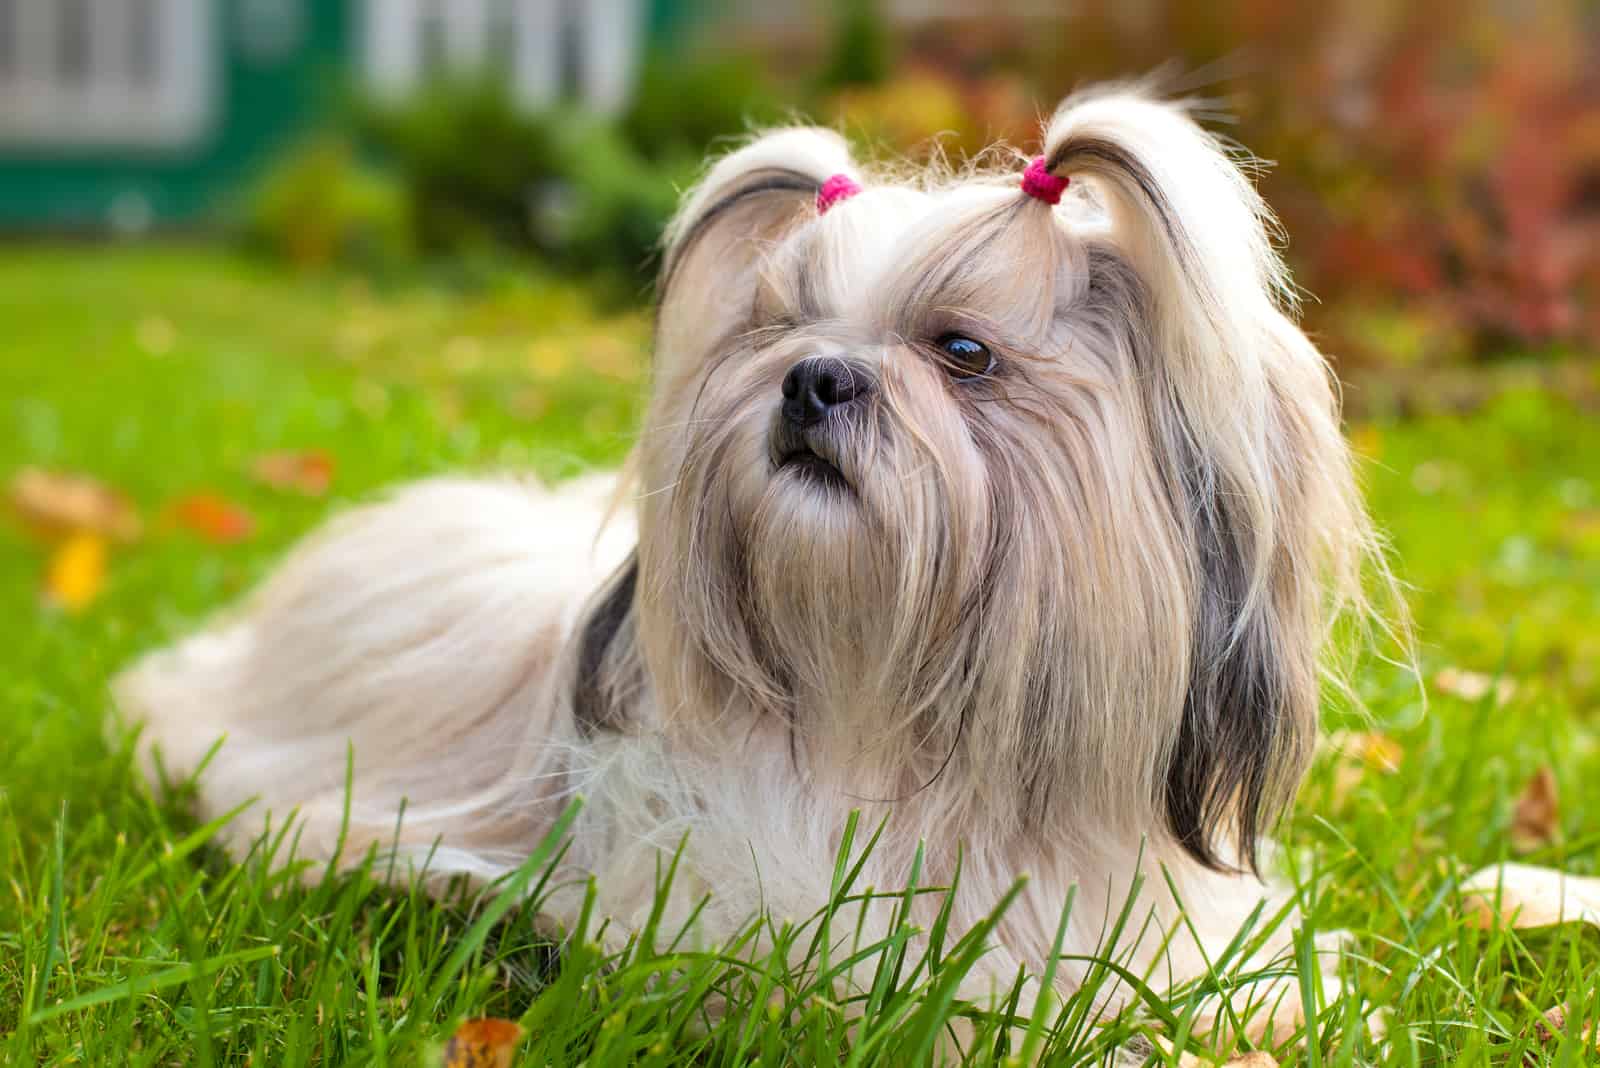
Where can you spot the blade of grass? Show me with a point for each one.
(177, 975)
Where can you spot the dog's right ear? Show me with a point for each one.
(745, 204)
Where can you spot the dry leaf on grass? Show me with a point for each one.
(1536, 821)
(77, 572)
(483, 1043)
(309, 472)
(60, 504)
(214, 518)
(1358, 752)
(1553, 1024)
(1367, 439)
(1374, 749)
(1524, 895)
(1473, 686)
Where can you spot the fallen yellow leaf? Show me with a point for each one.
(1367, 440)
(77, 572)
(483, 1043)
(1537, 819)
(1358, 752)
(1375, 749)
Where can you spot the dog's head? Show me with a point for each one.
(1047, 504)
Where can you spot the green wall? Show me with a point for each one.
(262, 102)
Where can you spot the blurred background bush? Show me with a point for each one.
(1436, 165)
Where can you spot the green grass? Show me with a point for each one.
(125, 939)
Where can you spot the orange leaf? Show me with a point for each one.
(1375, 749)
(61, 504)
(214, 518)
(1358, 752)
(1537, 818)
(483, 1043)
(309, 472)
(77, 572)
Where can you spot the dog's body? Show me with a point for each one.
(486, 747)
(1058, 615)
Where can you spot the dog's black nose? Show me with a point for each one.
(818, 384)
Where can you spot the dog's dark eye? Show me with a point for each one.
(965, 357)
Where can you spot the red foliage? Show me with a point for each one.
(1435, 162)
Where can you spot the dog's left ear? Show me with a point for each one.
(1244, 414)
(744, 205)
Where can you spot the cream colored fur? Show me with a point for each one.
(1066, 620)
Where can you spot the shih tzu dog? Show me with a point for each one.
(1011, 508)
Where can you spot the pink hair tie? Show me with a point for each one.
(837, 188)
(1039, 183)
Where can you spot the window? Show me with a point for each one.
(72, 42)
(548, 49)
(8, 39)
(433, 37)
(106, 72)
(144, 56)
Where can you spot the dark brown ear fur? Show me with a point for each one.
(1263, 531)
(1250, 716)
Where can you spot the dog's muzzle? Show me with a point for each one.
(817, 394)
(818, 386)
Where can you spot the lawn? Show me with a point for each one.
(167, 374)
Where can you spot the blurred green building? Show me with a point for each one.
(127, 113)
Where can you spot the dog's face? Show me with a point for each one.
(1040, 504)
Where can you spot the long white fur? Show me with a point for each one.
(435, 634)
(418, 634)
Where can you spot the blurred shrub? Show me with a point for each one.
(909, 113)
(960, 88)
(1437, 167)
(469, 161)
(319, 205)
(860, 52)
(483, 175)
(929, 110)
(1460, 183)
(606, 206)
(683, 108)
